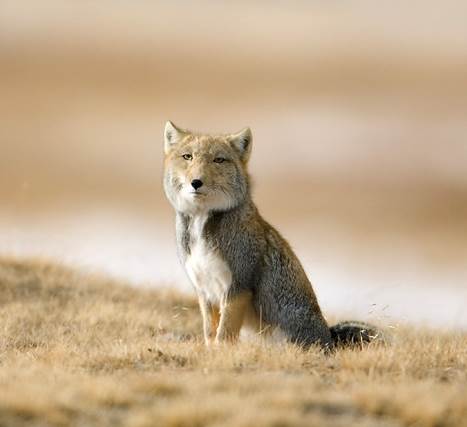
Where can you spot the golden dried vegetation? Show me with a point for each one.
(83, 350)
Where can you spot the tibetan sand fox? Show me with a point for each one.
(243, 270)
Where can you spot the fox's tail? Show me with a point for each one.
(350, 334)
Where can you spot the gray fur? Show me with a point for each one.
(262, 262)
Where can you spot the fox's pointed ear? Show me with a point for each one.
(172, 135)
(242, 142)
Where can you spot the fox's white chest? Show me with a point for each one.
(209, 273)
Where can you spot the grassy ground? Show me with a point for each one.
(83, 350)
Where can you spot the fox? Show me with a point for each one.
(245, 274)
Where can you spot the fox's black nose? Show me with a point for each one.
(196, 183)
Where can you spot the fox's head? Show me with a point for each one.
(205, 172)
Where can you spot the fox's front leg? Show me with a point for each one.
(210, 313)
(232, 311)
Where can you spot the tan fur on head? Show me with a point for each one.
(217, 161)
(172, 135)
(241, 141)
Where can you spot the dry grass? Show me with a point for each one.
(81, 350)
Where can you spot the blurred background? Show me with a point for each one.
(358, 111)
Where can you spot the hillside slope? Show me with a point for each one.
(77, 349)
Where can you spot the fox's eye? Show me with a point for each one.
(219, 160)
(187, 156)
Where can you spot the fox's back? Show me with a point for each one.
(262, 262)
